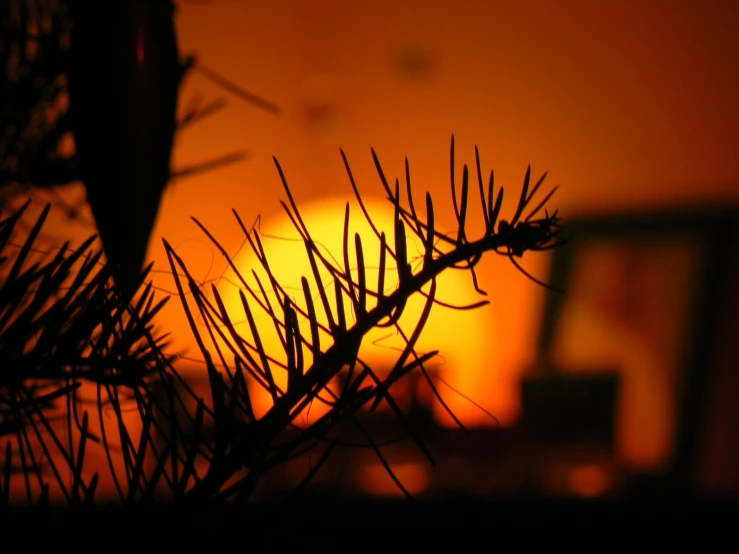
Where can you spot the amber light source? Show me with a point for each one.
(462, 337)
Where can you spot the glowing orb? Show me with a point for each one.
(463, 337)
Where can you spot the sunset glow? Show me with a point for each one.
(462, 337)
(600, 113)
(628, 108)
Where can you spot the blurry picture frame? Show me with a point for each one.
(644, 294)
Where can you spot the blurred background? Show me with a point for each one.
(630, 106)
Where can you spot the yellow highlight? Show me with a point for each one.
(462, 337)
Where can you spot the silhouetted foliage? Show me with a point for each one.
(83, 372)
(89, 94)
(62, 324)
(193, 448)
(34, 116)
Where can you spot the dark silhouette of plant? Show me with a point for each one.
(214, 449)
(34, 119)
(66, 330)
(247, 447)
(90, 86)
(62, 324)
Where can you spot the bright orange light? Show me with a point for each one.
(463, 337)
(374, 479)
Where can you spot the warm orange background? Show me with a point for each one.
(626, 104)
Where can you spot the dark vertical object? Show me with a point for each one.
(124, 77)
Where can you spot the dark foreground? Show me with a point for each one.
(322, 525)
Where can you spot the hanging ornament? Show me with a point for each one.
(124, 77)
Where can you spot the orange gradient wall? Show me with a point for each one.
(626, 104)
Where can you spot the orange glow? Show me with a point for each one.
(374, 479)
(463, 337)
(590, 480)
(574, 98)
(96, 460)
(621, 124)
(623, 315)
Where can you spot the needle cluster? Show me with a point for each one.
(64, 330)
